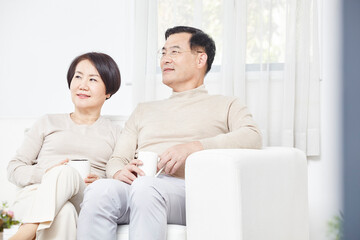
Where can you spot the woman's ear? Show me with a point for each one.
(108, 96)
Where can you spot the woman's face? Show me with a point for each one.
(88, 91)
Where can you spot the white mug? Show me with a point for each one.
(150, 161)
(81, 165)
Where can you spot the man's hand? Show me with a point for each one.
(129, 173)
(92, 177)
(175, 156)
(58, 164)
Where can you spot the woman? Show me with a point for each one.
(48, 203)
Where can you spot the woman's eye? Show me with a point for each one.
(93, 79)
(77, 76)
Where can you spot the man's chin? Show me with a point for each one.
(167, 81)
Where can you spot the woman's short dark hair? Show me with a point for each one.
(198, 39)
(105, 65)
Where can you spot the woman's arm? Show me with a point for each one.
(22, 169)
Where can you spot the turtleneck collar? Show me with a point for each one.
(190, 93)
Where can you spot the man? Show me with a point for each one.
(189, 121)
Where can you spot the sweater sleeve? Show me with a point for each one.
(243, 132)
(23, 169)
(126, 146)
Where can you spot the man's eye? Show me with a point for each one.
(174, 52)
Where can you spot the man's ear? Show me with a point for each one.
(201, 61)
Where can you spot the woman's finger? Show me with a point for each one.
(136, 162)
(92, 175)
(130, 175)
(89, 180)
(126, 178)
(137, 170)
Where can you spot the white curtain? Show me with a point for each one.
(284, 98)
(145, 51)
(234, 50)
(269, 58)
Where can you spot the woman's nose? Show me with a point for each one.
(83, 85)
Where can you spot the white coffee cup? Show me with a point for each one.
(81, 165)
(150, 161)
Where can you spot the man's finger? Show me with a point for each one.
(169, 166)
(175, 168)
(163, 161)
(64, 161)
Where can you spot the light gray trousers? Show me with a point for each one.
(147, 205)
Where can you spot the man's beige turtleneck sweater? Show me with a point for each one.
(194, 115)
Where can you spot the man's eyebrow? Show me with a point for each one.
(172, 47)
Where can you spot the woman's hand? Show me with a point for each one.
(63, 162)
(129, 173)
(92, 177)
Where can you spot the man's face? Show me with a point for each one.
(178, 62)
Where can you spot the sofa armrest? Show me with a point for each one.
(247, 194)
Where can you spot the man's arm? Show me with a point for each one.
(243, 133)
(124, 151)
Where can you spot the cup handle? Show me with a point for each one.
(157, 174)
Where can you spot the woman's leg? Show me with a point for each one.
(63, 226)
(26, 232)
(58, 186)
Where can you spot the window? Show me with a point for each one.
(265, 28)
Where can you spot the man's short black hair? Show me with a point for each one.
(198, 39)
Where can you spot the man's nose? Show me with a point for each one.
(166, 58)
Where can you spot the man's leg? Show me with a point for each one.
(155, 202)
(105, 206)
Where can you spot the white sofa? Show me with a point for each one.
(244, 194)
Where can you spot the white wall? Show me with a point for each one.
(38, 41)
